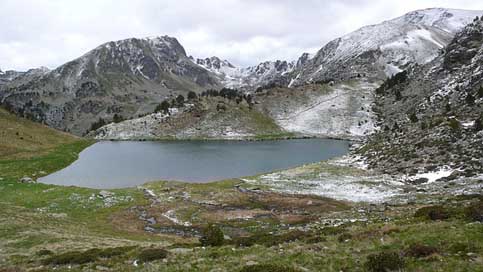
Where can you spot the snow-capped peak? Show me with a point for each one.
(247, 77)
(215, 64)
(384, 49)
(449, 20)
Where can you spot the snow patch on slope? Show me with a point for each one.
(344, 112)
(321, 179)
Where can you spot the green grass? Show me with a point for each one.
(21, 138)
(55, 225)
(60, 157)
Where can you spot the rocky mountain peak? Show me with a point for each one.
(279, 66)
(214, 64)
(449, 20)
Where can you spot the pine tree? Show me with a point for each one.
(454, 125)
(180, 100)
(448, 107)
(163, 107)
(423, 126)
(478, 126)
(470, 100)
(480, 91)
(192, 95)
(96, 125)
(117, 118)
(413, 117)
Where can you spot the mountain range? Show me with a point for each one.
(129, 78)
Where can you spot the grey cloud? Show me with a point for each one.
(51, 32)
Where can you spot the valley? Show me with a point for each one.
(398, 187)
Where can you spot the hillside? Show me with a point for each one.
(431, 116)
(22, 138)
(201, 118)
(127, 77)
(381, 50)
(348, 70)
(280, 221)
(315, 110)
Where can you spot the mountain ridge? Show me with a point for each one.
(130, 77)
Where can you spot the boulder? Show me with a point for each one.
(27, 180)
(418, 181)
(105, 194)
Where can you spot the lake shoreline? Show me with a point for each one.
(123, 164)
(351, 139)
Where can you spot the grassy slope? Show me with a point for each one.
(36, 217)
(20, 138)
(35, 214)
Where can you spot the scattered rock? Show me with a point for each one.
(181, 250)
(418, 181)
(27, 180)
(151, 220)
(105, 194)
(249, 263)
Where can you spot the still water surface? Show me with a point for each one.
(122, 164)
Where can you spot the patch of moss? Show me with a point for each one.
(268, 268)
(384, 261)
(344, 237)
(44, 252)
(212, 235)
(433, 213)
(419, 250)
(268, 239)
(332, 230)
(88, 256)
(73, 257)
(475, 211)
(462, 248)
(152, 254)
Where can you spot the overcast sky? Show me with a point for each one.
(49, 33)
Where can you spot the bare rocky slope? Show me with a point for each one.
(431, 116)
